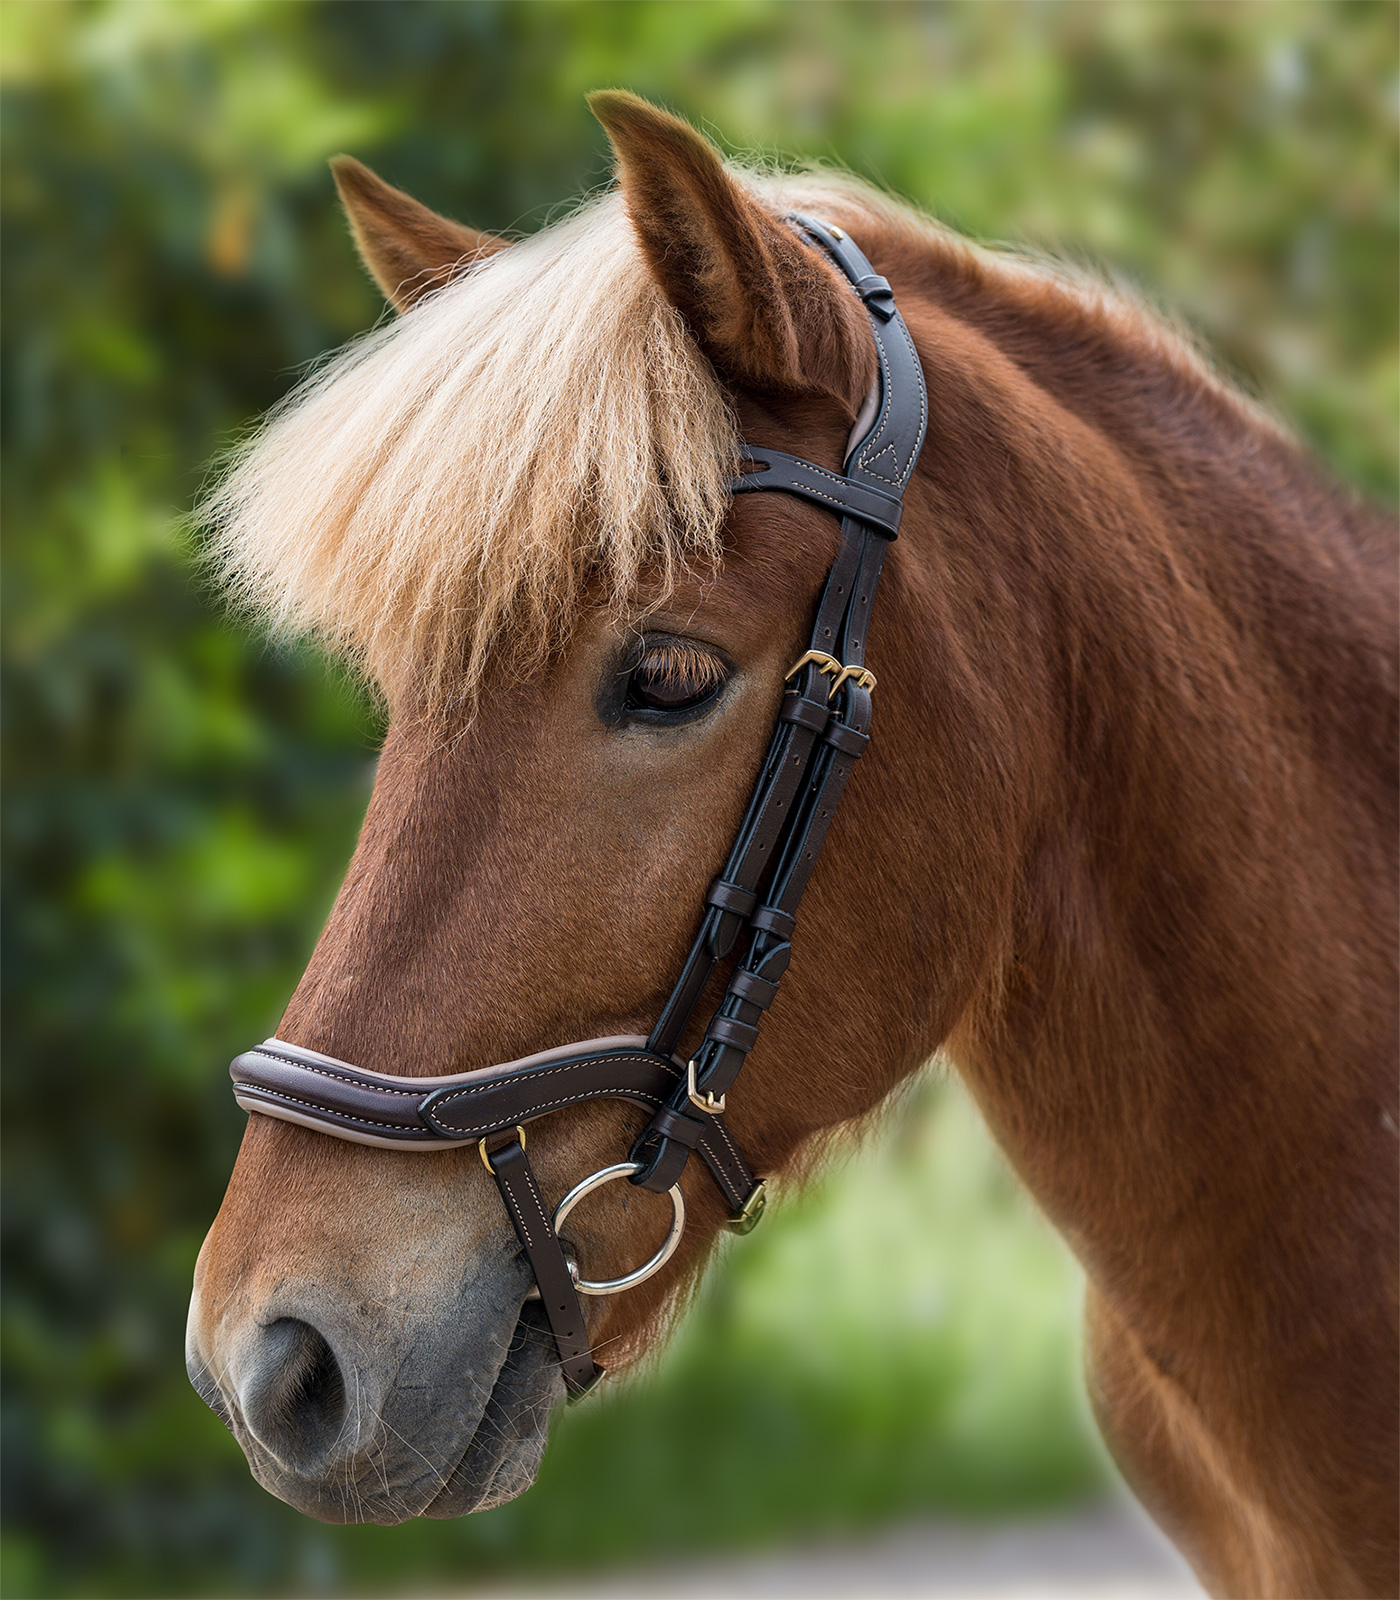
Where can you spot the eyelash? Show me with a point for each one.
(673, 677)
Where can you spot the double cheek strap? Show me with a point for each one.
(749, 915)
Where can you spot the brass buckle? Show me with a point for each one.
(828, 665)
(861, 676)
(832, 668)
(746, 1218)
(481, 1148)
(582, 1393)
(692, 1089)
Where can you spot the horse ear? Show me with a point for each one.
(767, 309)
(409, 250)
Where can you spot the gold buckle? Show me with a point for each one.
(746, 1218)
(828, 665)
(831, 667)
(582, 1393)
(481, 1148)
(692, 1089)
(861, 676)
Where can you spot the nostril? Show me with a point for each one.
(293, 1394)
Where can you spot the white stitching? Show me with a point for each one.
(865, 455)
(409, 1133)
(355, 1083)
(530, 1179)
(530, 1072)
(484, 1128)
(516, 1211)
(416, 1096)
(723, 1132)
(847, 506)
(405, 1130)
(844, 482)
(869, 466)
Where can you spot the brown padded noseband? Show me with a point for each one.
(822, 729)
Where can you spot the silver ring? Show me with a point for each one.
(596, 1180)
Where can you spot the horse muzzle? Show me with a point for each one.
(367, 1399)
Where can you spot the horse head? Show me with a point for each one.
(514, 507)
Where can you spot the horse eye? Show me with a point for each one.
(673, 677)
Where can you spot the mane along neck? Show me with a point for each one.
(1145, 659)
(1154, 657)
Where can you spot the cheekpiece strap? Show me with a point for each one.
(823, 728)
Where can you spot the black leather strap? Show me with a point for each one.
(560, 1299)
(817, 743)
(772, 469)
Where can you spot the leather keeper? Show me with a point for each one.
(749, 986)
(729, 1030)
(662, 1162)
(725, 930)
(775, 963)
(846, 740)
(810, 714)
(771, 920)
(877, 294)
(731, 897)
(676, 1125)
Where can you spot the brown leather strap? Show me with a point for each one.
(560, 1299)
(298, 1085)
(814, 743)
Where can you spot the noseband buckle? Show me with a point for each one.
(706, 1103)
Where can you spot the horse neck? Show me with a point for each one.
(1160, 657)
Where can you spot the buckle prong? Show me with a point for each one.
(692, 1088)
(862, 676)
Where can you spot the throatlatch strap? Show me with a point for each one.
(560, 1299)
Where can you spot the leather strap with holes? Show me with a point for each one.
(816, 743)
(563, 1309)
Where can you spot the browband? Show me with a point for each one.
(822, 729)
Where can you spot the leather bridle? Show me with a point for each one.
(822, 729)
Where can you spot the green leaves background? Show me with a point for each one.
(181, 798)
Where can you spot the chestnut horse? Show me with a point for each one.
(1123, 847)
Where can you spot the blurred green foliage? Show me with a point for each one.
(181, 799)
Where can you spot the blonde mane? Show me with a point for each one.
(457, 477)
(544, 427)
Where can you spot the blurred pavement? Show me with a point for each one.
(1109, 1553)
